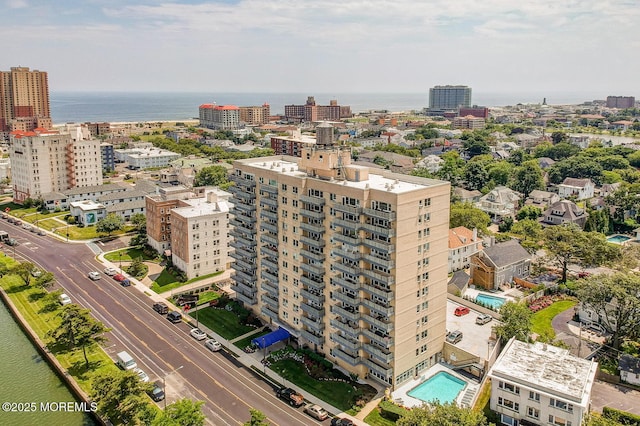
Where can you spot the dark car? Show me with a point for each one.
(156, 393)
(160, 308)
(337, 421)
(12, 242)
(174, 316)
(125, 283)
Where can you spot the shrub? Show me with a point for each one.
(621, 417)
(391, 411)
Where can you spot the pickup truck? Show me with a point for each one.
(292, 397)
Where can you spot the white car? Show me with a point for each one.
(143, 376)
(36, 273)
(94, 275)
(198, 334)
(64, 299)
(110, 271)
(213, 345)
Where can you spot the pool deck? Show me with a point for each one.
(401, 395)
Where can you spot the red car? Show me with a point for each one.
(124, 281)
(461, 310)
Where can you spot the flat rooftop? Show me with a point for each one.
(475, 338)
(546, 367)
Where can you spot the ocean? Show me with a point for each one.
(74, 107)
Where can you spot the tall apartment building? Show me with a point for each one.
(255, 115)
(312, 112)
(24, 100)
(200, 233)
(222, 117)
(46, 161)
(621, 102)
(351, 261)
(449, 97)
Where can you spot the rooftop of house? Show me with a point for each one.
(462, 236)
(629, 363)
(577, 183)
(127, 205)
(122, 194)
(546, 367)
(460, 279)
(506, 253)
(565, 208)
(87, 205)
(109, 187)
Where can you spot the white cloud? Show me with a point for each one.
(17, 4)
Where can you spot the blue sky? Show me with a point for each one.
(326, 46)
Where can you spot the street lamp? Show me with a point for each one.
(67, 232)
(120, 255)
(164, 384)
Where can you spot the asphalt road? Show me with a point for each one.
(227, 388)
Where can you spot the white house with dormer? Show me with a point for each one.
(582, 189)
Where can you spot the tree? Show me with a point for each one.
(515, 322)
(567, 244)
(112, 222)
(527, 178)
(558, 137)
(453, 167)
(23, 270)
(78, 329)
(530, 230)
(211, 176)
(475, 175)
(119, 395)
(183, 412)
(136, 268)
(518, 157)
(447, 414)
(598, 221)
(616, 301)
(500, 172)
(139, 220)
(529, 212)
(45, 280)
(258, 418)
(465, 214)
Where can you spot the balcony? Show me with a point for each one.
(244, 195)
(348, 254)
(348, 358)
(312, 310)
(346, 239)
(247, 208)
(241, 262)
(267, 262)
(315, 228)
(243, 242)
(313, 324)
(246, 299)
(312, 269)
(269, 189)
(347, 224)
(379, 245)
(345, 297)
(245, 276)
(379, 321)
(383, 356)
(312, 242)
(265, 310)
(264, 201)
(347, 209)
(343, 282)
(316, 201)
(350, 313)
(378, 337)
(266, 214)
(347, 269)
(348, 329)
(378, 307)
(269, 227)
(273, 302)
(385, 263)
(269, 277)
(351, 344)
(312, 283)
(240, 181)
(385, 232)
(390, 216)
(313, 297)
(385, 371)
(379, 276)
(318, 257)
(382, 292)
(269, 288)
(266, 238)
(313, 338)
(312, 214)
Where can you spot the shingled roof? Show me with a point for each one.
(507, 253)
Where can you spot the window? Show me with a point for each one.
(534, 396)
(559, 421)
(534, 413)
(561, 405)
(508, 404)
(509, 387)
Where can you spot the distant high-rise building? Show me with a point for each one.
(24, 100)
(255, 115)
(621, 102)
(312, 112)
(223, 117)
(449, 97)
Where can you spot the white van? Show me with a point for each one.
(126, 361)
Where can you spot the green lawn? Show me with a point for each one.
(30, 303)
(128, 255)
(207, 296)
(223, 322)
(50, 223)
(166, 281)
(243, 343)
(375, 419)
(541, 320)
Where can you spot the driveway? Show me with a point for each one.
(615, 396)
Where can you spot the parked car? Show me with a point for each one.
(198, 334)
(174, 316)
(35, 272)
(65, 299)
(290, 396)
(143, 376)
(156, 393)
(119, 277)
(17, 222)
(454, 337)
(5, 216)
(27, 227)
(110, 271)
(161, 308)
(213, 345)
(94, 275)
(337, 421)
(316, 411)
(11, 219)
(461, 310)
(483, 319)
(125, 283)
(41, 232)
(12, 242)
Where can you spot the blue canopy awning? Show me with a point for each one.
(271, 338)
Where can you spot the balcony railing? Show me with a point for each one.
(266, 238)
(386, 232)
(268, 202)
(312, 269)
(266, 214)
(386, 341)
(312, 227)
(379, 321)
(312, 283)
(312, 200)
(385, 371)
(268, 263)
(269, 188)
(348, 314)
(312, 214)
(312, 310)
(346, 328)
(348, 254)
(342, 282)
(318, 257)
(312, 242)
(269, 288)
(349, 359)
(269, 312)
(380, 214)
(270, 277)
(385, 263)
(347, 269)
(379, 245)
(316, 298)
(353, 241)
(347, 224)
(378, 307)
(383, 356)
(350, 344)
(248, 208)
(346, 298)
(313, 324)
(313, 338)
(269, 227)
(379, 276)
(387, 294)
(347, 209)
(269, 301)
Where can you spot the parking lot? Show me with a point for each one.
(615, 396)
(476, 338)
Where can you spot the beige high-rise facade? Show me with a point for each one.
(46, 161)
(24, 100)
(351, 261)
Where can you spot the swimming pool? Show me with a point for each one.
(493, 301)
(442, 387)
(618, 239)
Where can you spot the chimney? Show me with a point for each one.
(475, 234)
